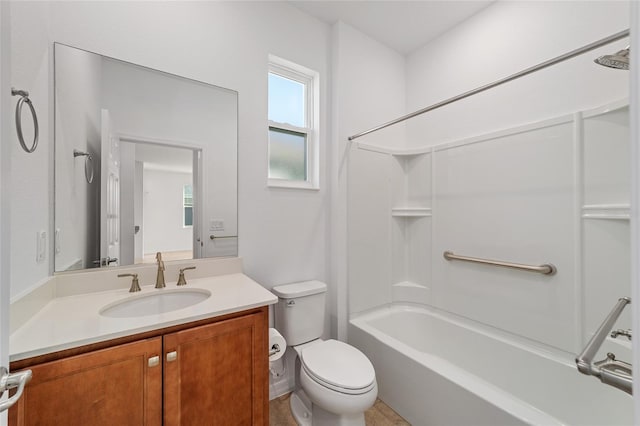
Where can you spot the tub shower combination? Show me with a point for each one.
(439, 368)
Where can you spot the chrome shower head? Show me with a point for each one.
(619, 60)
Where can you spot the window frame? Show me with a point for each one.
(310, 80)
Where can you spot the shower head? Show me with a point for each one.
(619, 60)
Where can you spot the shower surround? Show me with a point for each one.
(555, 191)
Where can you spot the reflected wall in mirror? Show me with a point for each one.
(145, 161)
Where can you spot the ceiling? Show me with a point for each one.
(402, 25)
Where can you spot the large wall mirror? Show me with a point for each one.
(145, 162)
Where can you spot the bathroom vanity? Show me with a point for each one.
(203, 364)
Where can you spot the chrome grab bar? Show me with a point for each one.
(546, 269)
(610, 371)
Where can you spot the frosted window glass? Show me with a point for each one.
(187, 202)
(287, 155)
(188, 216)
(286, 101)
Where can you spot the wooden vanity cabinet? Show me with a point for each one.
(213, 372)
(217, 374)
(112, 386)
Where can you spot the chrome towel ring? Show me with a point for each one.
(88, 164)
(24, 97)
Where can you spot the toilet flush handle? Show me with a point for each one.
(291, 303)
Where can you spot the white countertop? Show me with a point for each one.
(72, 321)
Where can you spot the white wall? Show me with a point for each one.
(127, 203)
(79, 96)
(6, 137)
(31, 201)
(501, 40)
(369, 90)
(138, 210)
(283, 233)
(163, 192)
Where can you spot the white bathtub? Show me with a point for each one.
(436, 369)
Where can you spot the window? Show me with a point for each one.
(187, 204)
(293, 125)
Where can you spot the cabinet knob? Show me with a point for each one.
(154, 360)
(172, 356)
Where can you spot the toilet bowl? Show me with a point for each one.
(335, 382)
(338, 377)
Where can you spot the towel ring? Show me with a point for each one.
(88, 164)
(24, 97)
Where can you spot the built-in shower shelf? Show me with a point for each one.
(394, 151)
(411, 212)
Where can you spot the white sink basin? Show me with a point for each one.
(154, 303)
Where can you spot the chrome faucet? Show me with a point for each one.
(610, 371)
(160, 277)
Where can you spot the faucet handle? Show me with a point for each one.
(135, 285)
(181, 279)
(619, 332)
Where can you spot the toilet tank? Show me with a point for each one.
(300, 311)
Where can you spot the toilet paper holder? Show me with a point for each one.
(275, 348)
(277, 345)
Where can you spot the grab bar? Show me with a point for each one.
(610, 371)
(546, 269)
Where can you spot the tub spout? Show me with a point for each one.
(615, 373)
(610, 371)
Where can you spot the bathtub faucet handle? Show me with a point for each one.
(621, 332)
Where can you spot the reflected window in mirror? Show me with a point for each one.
(187, 205)
(293, 125)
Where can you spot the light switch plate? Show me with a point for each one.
(216, 225)
(41, 246)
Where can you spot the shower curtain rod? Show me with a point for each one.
(558, 59)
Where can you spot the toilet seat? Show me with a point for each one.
(339, 367)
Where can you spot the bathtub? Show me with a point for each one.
(437, 369)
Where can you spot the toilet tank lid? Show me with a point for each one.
(304, 288)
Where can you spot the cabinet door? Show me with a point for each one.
(114, 386)
(216, 374)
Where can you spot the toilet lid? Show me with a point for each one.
(338, 364)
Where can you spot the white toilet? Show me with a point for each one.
(336, 382)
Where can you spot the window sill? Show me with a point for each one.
(292, 184)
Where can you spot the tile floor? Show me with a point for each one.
(378, 415)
